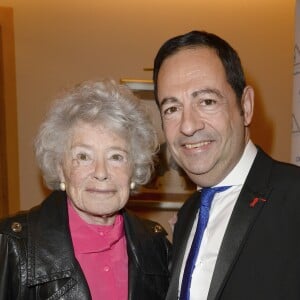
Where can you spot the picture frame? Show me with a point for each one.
(169, 186)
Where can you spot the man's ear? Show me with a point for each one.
(247, 103)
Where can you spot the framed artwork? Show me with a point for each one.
(169, 186)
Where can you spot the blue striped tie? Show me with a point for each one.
(207, 195)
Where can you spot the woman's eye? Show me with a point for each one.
(117, 157)
(82, 156)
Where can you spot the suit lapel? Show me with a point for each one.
(246, 211)
(181, 234)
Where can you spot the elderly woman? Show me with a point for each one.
(80, 243)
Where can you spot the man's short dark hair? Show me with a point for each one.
(194, 39)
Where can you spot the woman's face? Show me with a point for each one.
(97, 171)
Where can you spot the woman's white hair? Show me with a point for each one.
(98, 102)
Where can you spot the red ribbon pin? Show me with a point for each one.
(255, 200)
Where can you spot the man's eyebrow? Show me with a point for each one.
(194, 94)
(207, 91)
(168, 100)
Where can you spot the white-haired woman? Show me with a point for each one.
(81, 243)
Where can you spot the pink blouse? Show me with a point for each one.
(102, 254)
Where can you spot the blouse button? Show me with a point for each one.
(106, 268)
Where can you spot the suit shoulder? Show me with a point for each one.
(286, 173)
(281, 173)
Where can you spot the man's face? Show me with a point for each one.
(204, 124)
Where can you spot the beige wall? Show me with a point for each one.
(61, 42)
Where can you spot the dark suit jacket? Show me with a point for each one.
(259, 258)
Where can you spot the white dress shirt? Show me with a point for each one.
(219, 215)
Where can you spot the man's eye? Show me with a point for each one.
(209, 102)
(170, 110)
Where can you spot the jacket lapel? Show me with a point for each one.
(49, 240)
(182, 231)
(249, 204)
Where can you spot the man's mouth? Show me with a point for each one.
(196, 145)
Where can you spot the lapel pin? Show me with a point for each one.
(255, 200)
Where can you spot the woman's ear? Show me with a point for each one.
(62, 182)
(247, 103)
(60, 173)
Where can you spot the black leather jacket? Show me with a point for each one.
(37, 259)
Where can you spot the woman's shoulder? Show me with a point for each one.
(145, 236)
(15, 225)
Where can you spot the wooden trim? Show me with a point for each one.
(157, 201)
(9, 139)
(3, 166)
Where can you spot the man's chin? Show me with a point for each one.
(195, 169)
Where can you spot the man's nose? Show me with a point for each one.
(191, 121)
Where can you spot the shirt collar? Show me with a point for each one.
(89, 238)
(238, 174)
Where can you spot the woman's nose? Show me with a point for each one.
(100, 171)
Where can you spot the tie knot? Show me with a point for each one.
(207, 194)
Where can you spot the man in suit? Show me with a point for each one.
(251, 244)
